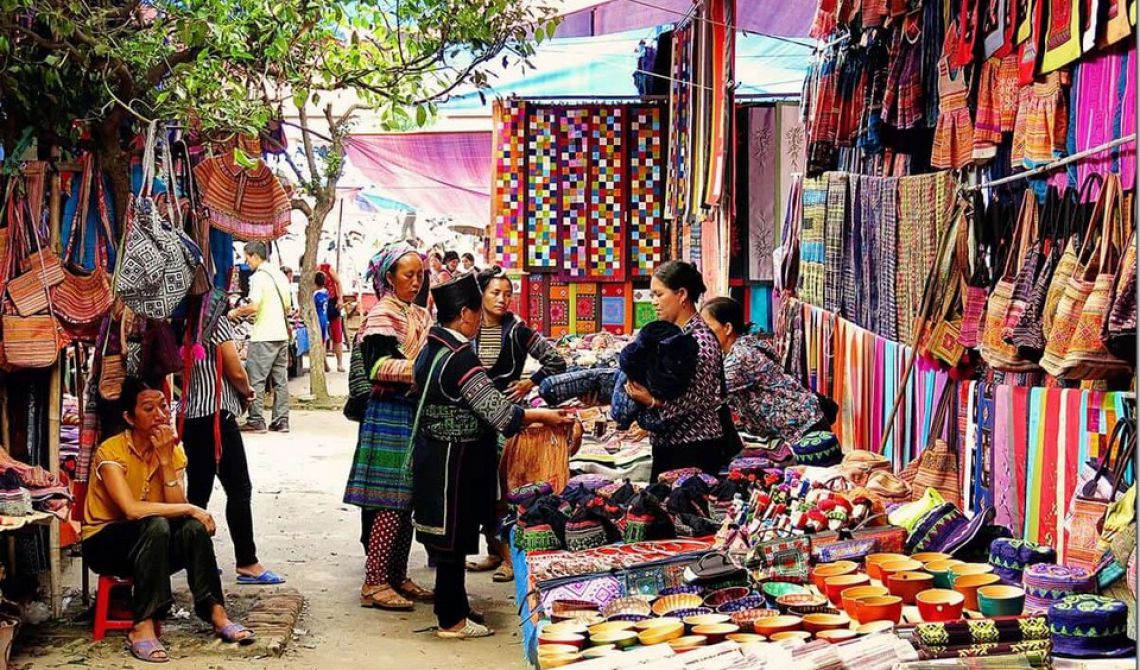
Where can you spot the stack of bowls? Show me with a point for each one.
(875, 560)
(940, 605)
(968, 586)
(852, 595)
(907, 585)
(943, 577)
(833, 586)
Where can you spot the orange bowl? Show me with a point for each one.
(834, 586)
(968, 586)
(940, 605)
(872, 627)
(875, 560)
(717, 632)
(800, 635)
(835, 636)
(569, 639)
(777, 624)
(906, 585)
(825, 570)
(880, 608)
(971, 569)
(814, 623)
(851, 595)
(888, 569)
(930, 556)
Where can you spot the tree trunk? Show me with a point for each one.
(116, 162)
(318, 384)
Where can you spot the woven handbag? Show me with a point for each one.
(994, 349)
(1089, 505)
(1081, 222)
(27, 291)
(938, 466)
(83, 298)
(31, 341)
(1119, 335)
(112, 367)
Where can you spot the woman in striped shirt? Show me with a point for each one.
(503, 345)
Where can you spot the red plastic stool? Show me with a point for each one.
(103, 621)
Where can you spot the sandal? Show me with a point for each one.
(231, 633)
(487, 564)
(410, 589)
(148, 651)
(470, 630)
(504, 574)
(384, 597)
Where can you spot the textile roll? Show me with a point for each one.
(982, 631)
(507, 209)
(1037, 648)
(542, 181)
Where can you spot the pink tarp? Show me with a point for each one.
(786, 19)
(438, 173)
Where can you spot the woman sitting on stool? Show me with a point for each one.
(137, 524)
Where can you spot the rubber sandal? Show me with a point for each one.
(487, 564)
(145, 650)
(230, 632)
(386, 598)
(469, 631)
(414, 591)
(504, 574)
(267, 578)
(477, 616)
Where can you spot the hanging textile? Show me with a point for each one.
(607, 210)
(558, 309)
(248, 203)
(576, 203)
(836, 224)
(680, 121)
(616, 299)
(761, 213)
(1104, 90)
(543, 175)
(924, 209)
(538, 299)
(646, 191)
(507, 208)
(587, 308)
(812, 252)
(1062, 36)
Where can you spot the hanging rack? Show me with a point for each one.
(1049, 167)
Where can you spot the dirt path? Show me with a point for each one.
(308, 535)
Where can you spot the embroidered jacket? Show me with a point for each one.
(694, 416)
(770, 403)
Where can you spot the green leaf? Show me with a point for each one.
(244, 161)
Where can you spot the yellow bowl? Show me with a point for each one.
(553, 649)
(777, 624)
(677, 601)
(706, 619)
(661, 634)
(814, 623)
(745, 638)
(650, 624)
(971, 569)
(620, 639)
(557, 660)
(873, 562)
(929, 557)
(571, 639)
(873, 627)
(598, 652)
(688, 642)
(801, 635)
(716, 632)
(611, 627)
(567, 628)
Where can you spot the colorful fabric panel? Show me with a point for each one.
(646, 191)
(538, 301)
(575, 221)
(542, 191)
(510, 170)
(615, 306)
(607, 209)
(558, 309)
(587, 308)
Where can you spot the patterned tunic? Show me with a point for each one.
(503, 350)
(770, 403)
(693, 417)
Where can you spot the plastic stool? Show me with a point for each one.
(103, 621)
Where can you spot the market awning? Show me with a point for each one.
(786, 19)
(436, 173)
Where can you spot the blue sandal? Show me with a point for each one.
(267, 578)
(230, 632)
(147, 651)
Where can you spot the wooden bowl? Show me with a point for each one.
(661, 634)
(557, 660)
(825, 570)
(679, 601)
(777, 624)
(724, 596)
(797, 635)
(573, 627)
(836, 635)
(717, 632)
(968, 586)
(688, 642)
(621, 639)
(552, 649)
(745, 638)
(611, 627)
(790, 600)
(706, 619)
(653, 623)
(746, 619)
(940, 605)
(629, 605)
(880, 608)
(570, 609)
(943, 578)
(599, 652)
(833, 586)
(872, 627)
(888, 569)
(873, 561)
(814, 623)
(849, 596)
(567, 639)
(907, 585)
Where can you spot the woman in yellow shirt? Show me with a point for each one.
(137, 524)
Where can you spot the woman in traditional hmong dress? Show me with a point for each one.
(456, 455)
(379, 482)
(503, 345)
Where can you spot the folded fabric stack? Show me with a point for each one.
(982, 637)
(15, 502)
(598, 382)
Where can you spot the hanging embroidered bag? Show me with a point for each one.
(28, 291)
(1089, 504)
(112, 367)
(1119, 335)
(938, 466)
(1084, 223)
(994, 349)
(83, 298)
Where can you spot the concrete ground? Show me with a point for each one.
(306, 534)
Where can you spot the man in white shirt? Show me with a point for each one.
(270, 300)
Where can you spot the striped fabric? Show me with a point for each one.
(249, 204)
(490, 345)
(870, 208)
(377, 478)
(202, 394)
(887, 317)
(924, 208)
(833, 240)
(852, 295)
(812, 252)
(1042, 124)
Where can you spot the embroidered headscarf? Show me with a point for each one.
(383, 262)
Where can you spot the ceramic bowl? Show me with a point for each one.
(825, 570)
(940, 605)
(677, 590)
(777, 624)
(680, 601)
(575, 627)
(552, 649)
(794, 635)
(804, 610)
(833, 586)
(629, 606)
(873, 627)
(814, 623)
(907, 585)
(930, 557)
(717, 632)
(747, 618)
(599, 652)
(835, 636)
(775, 590)
(745, 638)
(968, 586)
(611, 627)
(718, 598)
(891, 567)
(1001, 600)
(873, 562)
(741, 604)
(971, 569)
(653, 623)
(568, 639)
(706, 619)
(790, 600)
(557, 660)
(688, 643)
(628, 618)
(622, 639)
(567, 609)
(943, 577)
(661, 634)
(849, 596)
(685, 614)
(880, 608)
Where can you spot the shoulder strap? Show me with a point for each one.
(420, 409)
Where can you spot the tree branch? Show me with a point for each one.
(300, 205)
(159, 71)
(310, 153)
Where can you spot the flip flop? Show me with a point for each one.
(487, 564)
(504, 574)
(230, 632)
(267, 578)
(145, 651)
